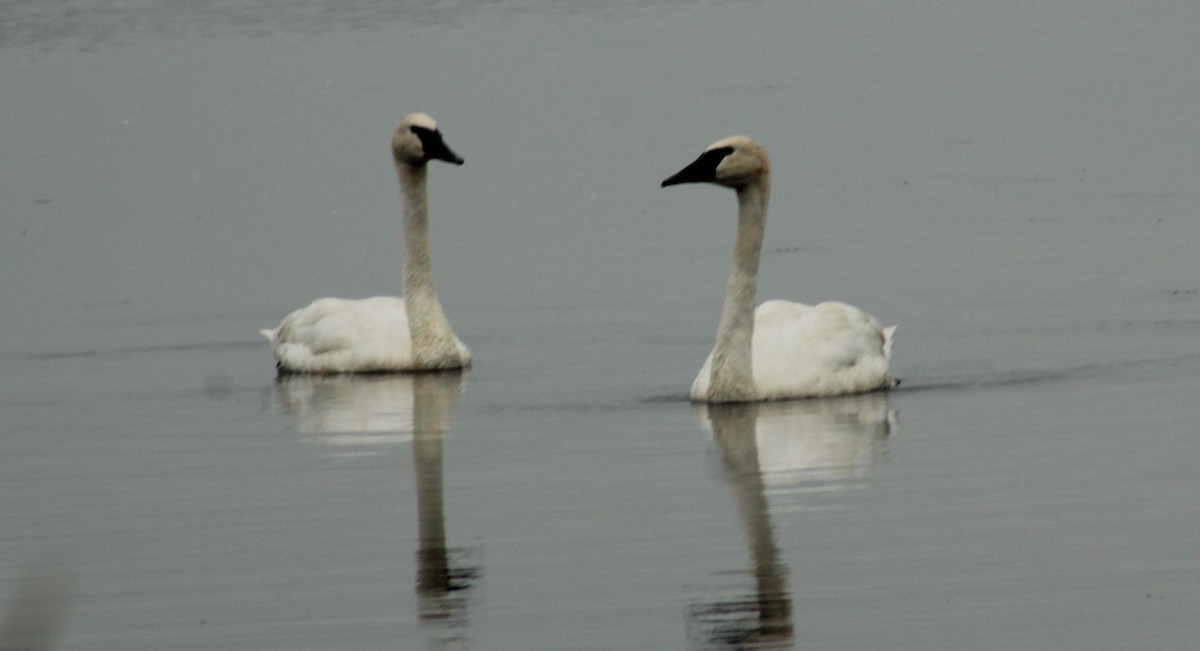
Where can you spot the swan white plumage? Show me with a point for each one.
(384, 333)
(783, 349)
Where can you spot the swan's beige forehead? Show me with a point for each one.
(732, 141)
(422, 120)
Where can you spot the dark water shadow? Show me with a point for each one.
(134, 351)
(91, 25)
(96, 24)
(38, 610)
(1105, 370)
(766, 449)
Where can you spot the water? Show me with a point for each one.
(1012, 185)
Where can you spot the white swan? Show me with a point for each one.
(383, 333)
(781, 350)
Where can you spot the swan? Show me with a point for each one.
(783, 349)
(383, 333)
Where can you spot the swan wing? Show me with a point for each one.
(337, 335)
(821, 350)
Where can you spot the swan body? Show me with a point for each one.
(799, 350)
(782, 349)
(339, 335)
(384, 333)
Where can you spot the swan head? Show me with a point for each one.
(418, 141)
(734, 162)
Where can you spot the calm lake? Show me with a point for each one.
(1014, 184)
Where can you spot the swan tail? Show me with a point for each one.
(889, 336)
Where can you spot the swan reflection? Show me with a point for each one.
(816, 445)
(443, 573)
(371, 412)
(353, 414)
(807, 449)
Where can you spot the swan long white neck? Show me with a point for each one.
(432, 339)
(732, 374)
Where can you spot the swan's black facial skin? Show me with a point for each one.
(434, 147)
(701, 170)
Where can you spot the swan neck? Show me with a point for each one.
(418, 266)
(732, 378)
(428, 327)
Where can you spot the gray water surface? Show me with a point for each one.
(1014, 185)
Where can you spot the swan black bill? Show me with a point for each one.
(448, 156)
(435, 148)
(701, 170)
